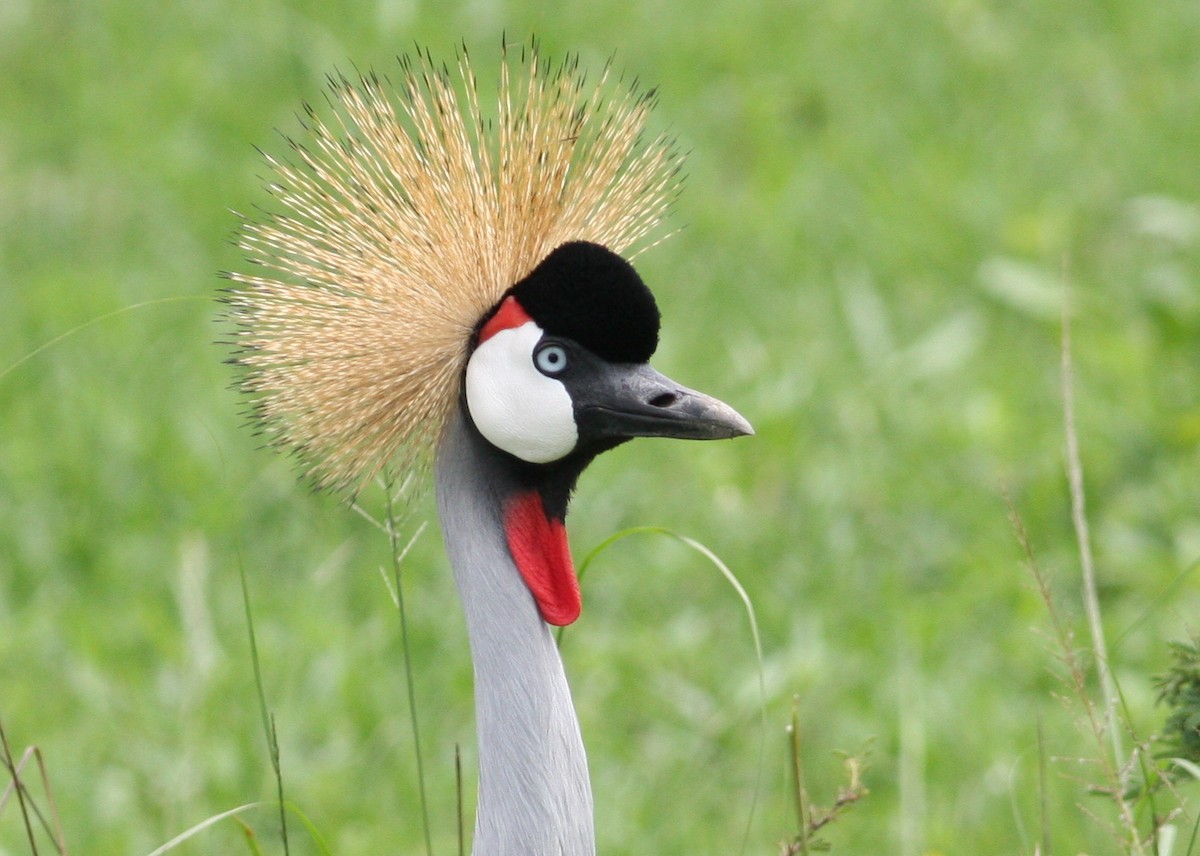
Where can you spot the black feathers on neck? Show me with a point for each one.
(586, 292)
(555, 481)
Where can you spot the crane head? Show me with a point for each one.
(432, 266)
(559, 373)
(560, 367)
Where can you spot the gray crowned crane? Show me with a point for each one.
(443, 288)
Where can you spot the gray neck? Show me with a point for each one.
(534, 795)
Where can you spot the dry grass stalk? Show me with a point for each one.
(1113, 770)
(1091, 597)
(28, 806)
(811, 819)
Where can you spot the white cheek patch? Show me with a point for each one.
(514, 406)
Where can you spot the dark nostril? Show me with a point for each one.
(664, 399)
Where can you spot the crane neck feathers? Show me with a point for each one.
(535, 796)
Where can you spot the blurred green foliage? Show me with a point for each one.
(884, 202)
(1179, 692)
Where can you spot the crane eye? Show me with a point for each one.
(551, 359)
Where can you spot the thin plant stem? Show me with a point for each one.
(398, 555)
(458, 796)
(77, 328)
(20, 788)
(251, 838)
(60, 839)
(1091, 598)
(1155, 606)
(1076, 679)
(268, 718)
(1043, 790)
(53, 826)
(283, 830)
(797, 771)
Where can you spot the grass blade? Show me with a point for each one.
(310, 828)
(208, 822)
(268, 718)
(458, 796)
(53, 826)
(1043, 788)
(1091, 597)
(15, 771)
(235, 813)
(398, 552)
(92, 321)
(251, 839)
(748, 607)
(797, 772)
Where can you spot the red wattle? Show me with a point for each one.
(539, 547)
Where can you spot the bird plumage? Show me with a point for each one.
(404, 217)
(443, 286)
(535, 797)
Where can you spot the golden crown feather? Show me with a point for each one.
(405, 217)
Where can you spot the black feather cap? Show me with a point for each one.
(586, 292)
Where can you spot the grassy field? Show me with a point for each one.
(883, 203)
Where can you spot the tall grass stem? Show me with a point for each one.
(268, 718)
(11, 367)
(458, 800)
(1091, 597)
(19, 786)
(797, 771)
(1043, 789)
(398, 555)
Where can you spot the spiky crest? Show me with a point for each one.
(404, 218)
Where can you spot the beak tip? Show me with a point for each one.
(724, 423)
(731, 423)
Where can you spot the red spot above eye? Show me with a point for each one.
(539, 548)
(509, 315)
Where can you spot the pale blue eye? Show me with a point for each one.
(551, 359)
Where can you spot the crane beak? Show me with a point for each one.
(634, 400)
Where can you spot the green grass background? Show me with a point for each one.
(881, 203)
